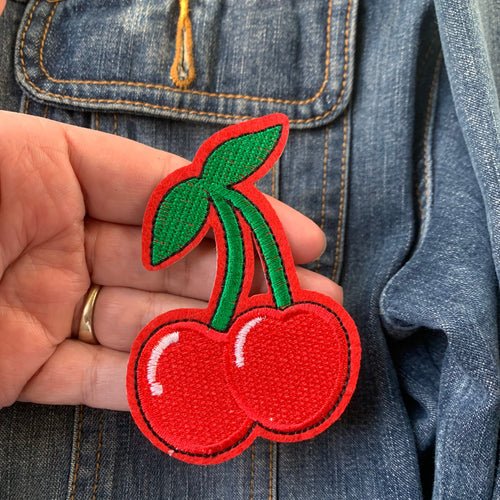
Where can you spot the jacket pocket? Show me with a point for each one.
(249, 59)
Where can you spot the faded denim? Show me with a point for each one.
(394, 150)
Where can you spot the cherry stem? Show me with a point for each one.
(235, 265)
(226, 201)
(268, 246)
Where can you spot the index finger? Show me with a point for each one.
(118, 176)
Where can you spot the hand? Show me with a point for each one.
(71, 208)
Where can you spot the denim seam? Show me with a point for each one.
(427, 53)
(342, 199)
(323, 189)
(425, 196)
(273, 181)
(252, 471)
(78, 449)
(183, 110)
(270, 490)
(98, 457)
(198, 92)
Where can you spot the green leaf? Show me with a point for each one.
(179, 218)
(235, 159)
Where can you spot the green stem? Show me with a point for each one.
(235, 265)
(268, 247)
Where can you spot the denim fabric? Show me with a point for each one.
(394, 150)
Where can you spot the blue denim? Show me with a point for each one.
(394, 151)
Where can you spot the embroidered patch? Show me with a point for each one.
(202, 384)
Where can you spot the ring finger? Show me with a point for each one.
(120, 313)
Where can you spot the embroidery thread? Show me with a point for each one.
(204, 383)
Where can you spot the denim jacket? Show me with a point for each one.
(394, 151)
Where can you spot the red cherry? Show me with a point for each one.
(289, 369)
(179, 394)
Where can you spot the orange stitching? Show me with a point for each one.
(427, 53)
(252, 473)
(26, 105)
(78, 444)
(96, 121)
(205, 113)
(21, 48)
(46, 110)
(270, 470)
(98, 459)
(115, 124)
(183, 49)
(273, 181)
(198, 92)
(425, 197)
(44, 37)
(342, 198)
(323, 192)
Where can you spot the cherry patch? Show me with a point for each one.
(202, 384)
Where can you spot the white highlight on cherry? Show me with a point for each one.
(240, 341)
(156, 387)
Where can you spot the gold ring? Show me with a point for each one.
(86, 329)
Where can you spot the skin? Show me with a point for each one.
(71, 208)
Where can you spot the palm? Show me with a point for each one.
(43, 262)
(71, 206)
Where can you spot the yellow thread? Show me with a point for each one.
(26, 105)
(182, 71)
(78, 444)
(98, 458)
(342, 198)
(426, 142)
(202, 113)
(323, 192)
(115, 124)
(46, 112)
(97, 121)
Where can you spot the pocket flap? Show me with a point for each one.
(250, 58)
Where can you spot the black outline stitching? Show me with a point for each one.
(235, 209)
(259, 247)
(280, 125)
(155, 217)
(255, 423)
(226, 270)
(138, 400)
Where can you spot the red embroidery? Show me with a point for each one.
(203, 384)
